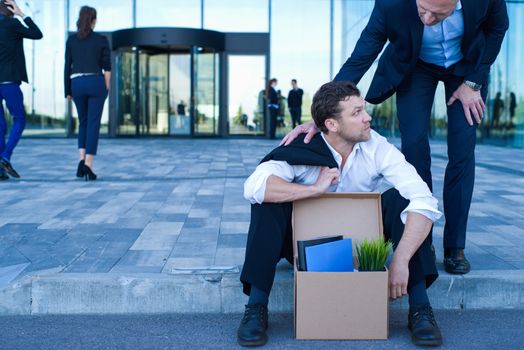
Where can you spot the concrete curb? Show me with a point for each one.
(59, 293)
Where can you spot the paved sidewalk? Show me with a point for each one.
(165, 226)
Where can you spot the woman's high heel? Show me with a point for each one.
(89, 174)
(80, 169)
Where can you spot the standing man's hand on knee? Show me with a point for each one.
(398, 277)
(309, 128)
(471, 102)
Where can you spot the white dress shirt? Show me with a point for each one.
(372, 166)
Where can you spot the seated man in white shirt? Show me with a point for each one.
(346, 157)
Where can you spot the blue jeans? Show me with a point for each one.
(89, 95)
(14, 101)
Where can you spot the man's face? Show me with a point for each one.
(354, 123)
(432, 12)
(294, 84)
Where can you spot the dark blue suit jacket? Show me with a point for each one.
(12, 59)
(485, 23)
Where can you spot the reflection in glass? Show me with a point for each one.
(168, 13)
(44, 95)
(206, 98)
(126, 87)
(179, 94)
(246, 93)
(154, 94)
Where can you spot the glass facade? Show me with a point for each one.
(179, 93)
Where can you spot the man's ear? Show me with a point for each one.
(331, 124)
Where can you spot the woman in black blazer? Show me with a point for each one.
(87, 76)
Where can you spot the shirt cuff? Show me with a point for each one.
(422, 208)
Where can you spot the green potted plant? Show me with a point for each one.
(372, 254)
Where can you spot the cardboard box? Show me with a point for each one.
(340, 305)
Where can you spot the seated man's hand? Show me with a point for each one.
(309, 128)
(398, 277)
(326, 178)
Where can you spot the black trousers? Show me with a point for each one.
(296, 115)
(270, 239)
(273, 114)
(415, 96)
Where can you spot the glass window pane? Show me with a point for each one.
(45, 105)
(246, 96)
(179, 94)
(171, 13)
(206, 100)
(126, 88)
(300, 50)
(236, 15)
(111, 15)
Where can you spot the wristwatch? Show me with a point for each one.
(473, 85)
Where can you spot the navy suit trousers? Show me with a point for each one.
(415, 97)
(89, 95)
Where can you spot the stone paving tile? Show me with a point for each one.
(232, 241)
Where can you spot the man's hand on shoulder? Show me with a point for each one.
(309, 128)
(326, 178)
(471, 102)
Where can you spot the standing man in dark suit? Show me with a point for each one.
(294, 103)
(453, 41)
(12, 73)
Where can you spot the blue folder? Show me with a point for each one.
(334, 256)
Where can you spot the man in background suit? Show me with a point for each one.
(12, 73)
(294, 102)
(453, 41)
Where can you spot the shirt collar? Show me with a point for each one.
(458, 6)
(336, 155)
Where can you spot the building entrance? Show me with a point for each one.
(188, 82)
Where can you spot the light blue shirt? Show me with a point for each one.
(441, 42)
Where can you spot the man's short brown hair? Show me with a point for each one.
(325, 102)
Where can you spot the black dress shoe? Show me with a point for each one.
(89, 175)
(8, 168)
(423, 327)
(455, 261)
(80, 169)
(252, 329)
(3, 176)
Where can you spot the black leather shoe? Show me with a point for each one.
(423, 327)
(8, 168)
(455, 261)
(3, 176)
(80, 169)
(252, 329)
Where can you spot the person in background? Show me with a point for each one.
(294, 103)
(87, 77)
(272, 106)
(12, 73)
